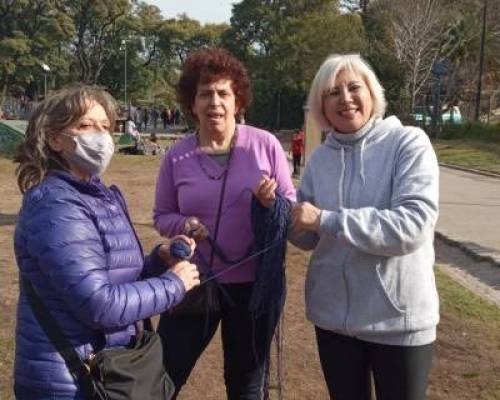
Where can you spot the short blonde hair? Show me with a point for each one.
(54, 114)
(325, 80)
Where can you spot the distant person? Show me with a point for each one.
(155, 147)
(140, 118)
(154, 117)
(297, 149)
(177, 116)
(368, 206)
(131, 129)
(75, 245)
(164, 118)
(145, 117)
(132, 112)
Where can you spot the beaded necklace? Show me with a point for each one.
(203, 167)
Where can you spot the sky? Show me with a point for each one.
(205, 11)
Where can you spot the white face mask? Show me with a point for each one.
(93, 151)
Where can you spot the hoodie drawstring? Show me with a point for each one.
(342, 176)
(361, 161)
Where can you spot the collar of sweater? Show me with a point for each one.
(347, 138)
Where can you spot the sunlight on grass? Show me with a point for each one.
(456, 299)
(469, 153)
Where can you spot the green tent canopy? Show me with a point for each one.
(126, 140)
(11, 134)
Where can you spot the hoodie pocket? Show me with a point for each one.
(387, 293)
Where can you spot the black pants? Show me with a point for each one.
(296, 163)
(399, 372)
(246, 343)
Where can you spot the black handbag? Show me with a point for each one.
(124, 373)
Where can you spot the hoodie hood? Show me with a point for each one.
(358, 140)
(372, 129)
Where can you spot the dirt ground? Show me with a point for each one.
(467, 364)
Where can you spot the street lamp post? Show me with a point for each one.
(46, 69)
(481, 63)
(124, 43)
(439, 69)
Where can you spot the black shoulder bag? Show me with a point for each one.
(123, 373)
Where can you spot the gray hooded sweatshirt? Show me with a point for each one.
(371, 274)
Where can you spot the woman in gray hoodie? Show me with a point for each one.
(368, 208)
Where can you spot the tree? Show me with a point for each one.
(180, 36)
(282, 43)
(96, 23)
(28, 32)
(421, 35)
(418, 35)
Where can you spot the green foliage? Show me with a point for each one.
(380, 54)
(85, 40)
(177, 37)
(28, 32)
(470, 152)
(457, 300)
(283, 43)
(472, 130)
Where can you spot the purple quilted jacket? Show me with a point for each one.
(75, 243)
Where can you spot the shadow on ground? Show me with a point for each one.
(8, 219)
(484, 271)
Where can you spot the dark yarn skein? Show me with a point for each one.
(180, 249)
(270, 227)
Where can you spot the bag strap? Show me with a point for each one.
(54, 332)
(76, 366)
(219, 210)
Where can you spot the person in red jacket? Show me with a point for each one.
(297, 149)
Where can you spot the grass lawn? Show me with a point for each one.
(476, 154)
(468, 345)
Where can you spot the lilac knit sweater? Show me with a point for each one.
(187, 186)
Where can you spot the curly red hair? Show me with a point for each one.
(207, 65)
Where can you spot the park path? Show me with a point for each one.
(470, 211)
(469, 220)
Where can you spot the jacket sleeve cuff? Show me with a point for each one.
(329, 222)
(153, 264)
(176, 288)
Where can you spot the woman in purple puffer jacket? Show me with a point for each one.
(75, 243)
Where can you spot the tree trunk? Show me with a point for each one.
(277, 122)
(3, 94)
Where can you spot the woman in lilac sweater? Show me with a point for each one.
(204, 189)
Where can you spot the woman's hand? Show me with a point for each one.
(164, 250)
(305, 216)
(187, 273)
(266, 191)
(195, 229)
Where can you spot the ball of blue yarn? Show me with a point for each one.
(180, 249)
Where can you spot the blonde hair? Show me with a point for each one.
(52, 116)
(325, 80)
